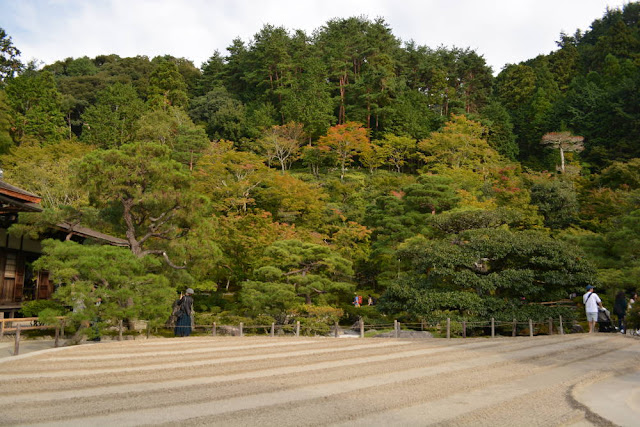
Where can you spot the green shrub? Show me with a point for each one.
(49, 316)
(314, 319)
(633, 317)
(312, 326)
(33, 308)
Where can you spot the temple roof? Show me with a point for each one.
(88, 232)
(14, 199)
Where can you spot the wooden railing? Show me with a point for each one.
(445, 328)
(28, 324)
(516, 328)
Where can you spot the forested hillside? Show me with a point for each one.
(295, 170)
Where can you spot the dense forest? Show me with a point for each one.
(296, 170)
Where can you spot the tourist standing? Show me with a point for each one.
(620, 309)
(185, 315)
(591, 302)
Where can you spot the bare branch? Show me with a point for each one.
(305, 269)
(166, 258)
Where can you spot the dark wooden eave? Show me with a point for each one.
(14, 199)
(85, 232)
(18, 193)
(9, 205)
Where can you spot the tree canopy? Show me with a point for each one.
(296, 169)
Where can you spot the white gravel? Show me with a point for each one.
(233, 381)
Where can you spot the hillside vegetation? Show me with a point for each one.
(296, 170)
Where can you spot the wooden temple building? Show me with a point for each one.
(19, 282)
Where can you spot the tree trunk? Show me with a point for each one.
(368, 110)
(127, 204)
(78, 336)
(342, 112)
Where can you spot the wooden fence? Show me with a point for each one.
(239, 330)
(515, 328)
(18, 325)
(531, 328)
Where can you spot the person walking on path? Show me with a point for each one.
(185, 315)
(632, 301)
(620, 310)
(591, 302)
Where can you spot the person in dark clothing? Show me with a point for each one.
(620, 310)
(184, 313)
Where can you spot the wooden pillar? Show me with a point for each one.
(395, 328)
(464, 329)
(120, 330)
(148, 330)
(16, 347)
(530, 328)
(514, 330)
(214, 329)
(448, 328)
(493, 327)
(241, 329)
(1, 324)
(361, 327)
(422, 324)
(550, 326)
(298, 328)
(335, 330)
(273, 329)
(561, 327)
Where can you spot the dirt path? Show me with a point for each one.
(323, 381)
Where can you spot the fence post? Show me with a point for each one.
(422, 324)
(148, 329)
(448, 328)
(561, 327)
(297, 328)
(214, 330)
(335, 331)
(241, 329)
(515, 327)
(530, 328)
(550, 326)
(273, 329)
(464, 329)
(16, 348)
(1, 324)
(57, 338)
(395, 328)
(361, 323)
(493, 327)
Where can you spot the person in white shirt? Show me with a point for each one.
(591, 302)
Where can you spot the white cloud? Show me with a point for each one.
(503, 31)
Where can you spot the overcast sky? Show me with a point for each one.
(503, 31)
